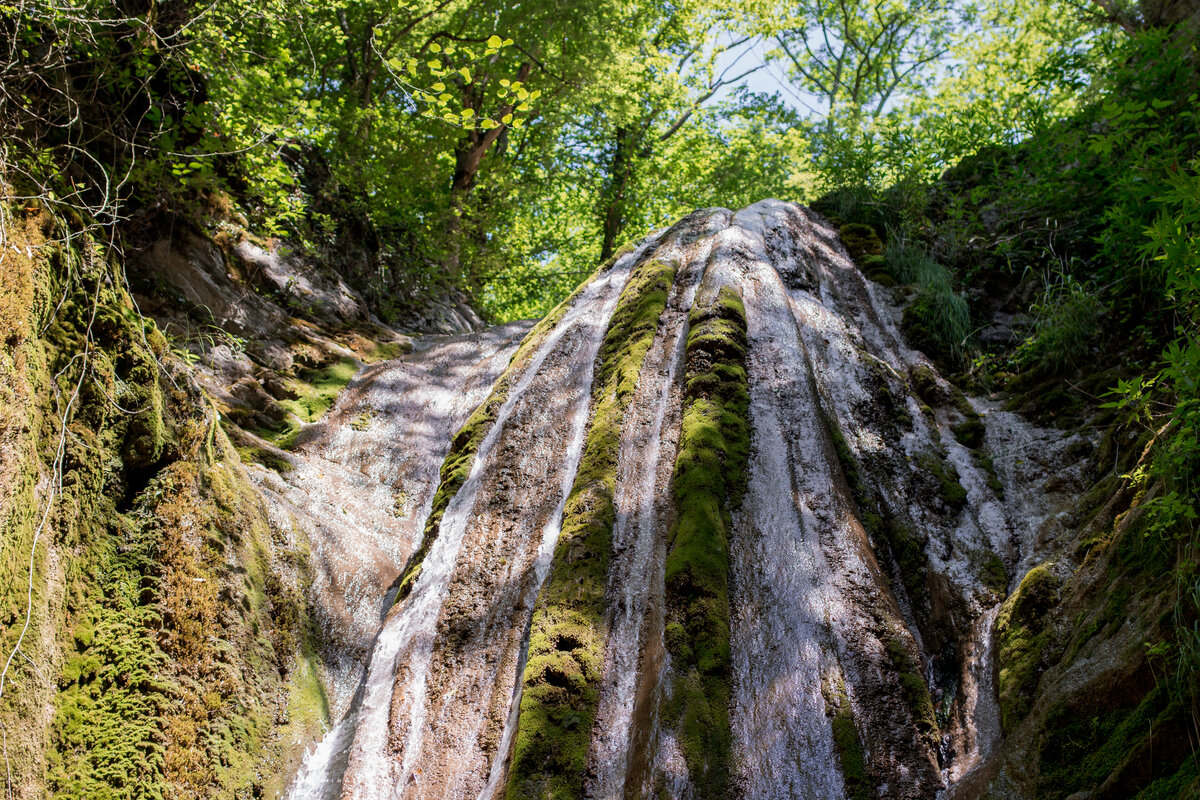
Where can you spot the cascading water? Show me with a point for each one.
(637, 531)
(376, 458)
(854, 466)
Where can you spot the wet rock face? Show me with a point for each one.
(716, 533)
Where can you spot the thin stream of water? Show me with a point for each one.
(635, 536)
(782, 602)
(553, 528)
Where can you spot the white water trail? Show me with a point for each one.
(316, 779)
(634, 538)
(550, 533)
(541, 567)
(635, 533)
(850, 333)
(382, 476)
(980, 707)
(783, 603)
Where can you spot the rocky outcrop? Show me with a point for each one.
(711, 529)
(803, 606)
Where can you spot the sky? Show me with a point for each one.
(770, 78)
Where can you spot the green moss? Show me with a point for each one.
(952, 493)
(875, 267)
(566, 644)
(317, 388)
(859, 782)
(913, 689)
(861, 241)
(907, 546)
(255, 454)
(313, 390)
(308, 713)
(993, 574)
(1023, 639)
(709, 480)
(988, 465)
(925, 384)
(969, 433)
(1082, 746)
(159, 684)
(1140, 549)
(109, 723)
(1182, 785)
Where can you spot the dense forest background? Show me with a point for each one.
(1030, 168)
(507, 148)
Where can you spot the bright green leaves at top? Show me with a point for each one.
(425, 83)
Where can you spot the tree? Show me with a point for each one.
(857, 55)
(687, 56)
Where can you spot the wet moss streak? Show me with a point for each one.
(846, 739)
(457, 466)
(902, 540)
(566, 642)
(709, 481)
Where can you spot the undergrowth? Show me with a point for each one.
(171, 635)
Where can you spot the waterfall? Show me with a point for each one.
(836, 648)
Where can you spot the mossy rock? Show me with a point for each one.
(1139, 749)
(913, 688)
(969, 433)
(926, 385)
(856, 774)
(952, 493)
(1024, 640)
(861, 241)
(993, 574)
(709, 481)
(1046, 400)
(561, 681)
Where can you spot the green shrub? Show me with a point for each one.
(938, 319)
(1066, 324)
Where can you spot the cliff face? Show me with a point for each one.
(160, 638)
(152, 614)
(711, 529)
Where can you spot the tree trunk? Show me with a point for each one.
(614, 199)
